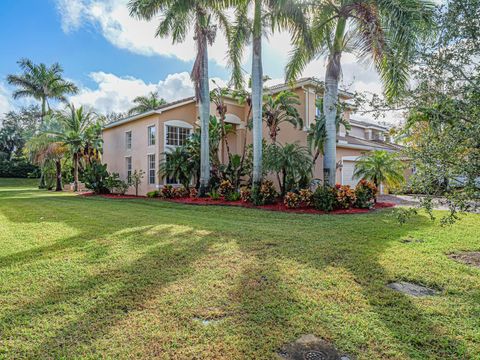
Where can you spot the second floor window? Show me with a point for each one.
(128, 140)
(151, 135)
(177, 136)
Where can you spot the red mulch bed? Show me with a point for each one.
(274, 207)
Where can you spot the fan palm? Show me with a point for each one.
(177, 16)
(41, 83)
(74, 133)
(267, 15)
(146, 103)
(380, 167)
(317, 134)
(386, 31)
(279, 109)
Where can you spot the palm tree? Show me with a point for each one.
(76, 125)
(41, 83)
(386, 31)
(267, 15)
(177, 16)
(279, 109)
(317, 134)
(380, 167)
(146, 103)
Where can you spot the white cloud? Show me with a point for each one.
(118, 27)
(115, 93)
(6, 103)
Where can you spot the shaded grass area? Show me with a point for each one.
(97, 278)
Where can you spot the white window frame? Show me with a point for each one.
(128, 144)
(128, 167)
(149, 138)
(150, 168)
(168, 148)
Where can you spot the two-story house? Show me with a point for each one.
(139, 141)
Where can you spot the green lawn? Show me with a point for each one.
(95, 278)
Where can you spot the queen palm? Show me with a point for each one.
(380, 167)
(177, 17)
(74, 133)
(268, 15)
(385, 31)
(146, 103)
(42, 83)
(279, 109)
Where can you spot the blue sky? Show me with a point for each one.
(113, 58)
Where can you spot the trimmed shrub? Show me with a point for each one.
(167, 192)
(17, 168)
(345, 196)
(292, 200)
(246, 194)
(325, 198)
(365, 194)
(153, 194)
(306, 197)
(267, 193)
(181, 192)
(226, 188)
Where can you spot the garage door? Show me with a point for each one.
(347, 173)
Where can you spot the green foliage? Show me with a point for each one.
(325, 198)
(214, 195)
(146, 103)
(306, 197)
(403, 214)
(292, 164)
(226, 188)
(233, 196)
(380, 167)
(181, 192)
(153, 194)
(167, 192)
(136, 179)
(246, 194)
(346, 197)
(365, 194)
(95, 178)
(116, 185)
(281, 108)
(179, 164)
(17, 168)
(266, 194)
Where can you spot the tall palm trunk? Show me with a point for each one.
(75, 171)
(332, 77)
(203, 94)
(58, 167)
(257, 89)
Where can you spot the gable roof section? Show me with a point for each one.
(159, 110)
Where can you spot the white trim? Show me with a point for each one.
(233, 119)
(178, 123)
(155, 135)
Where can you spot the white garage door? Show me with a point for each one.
(347, 173)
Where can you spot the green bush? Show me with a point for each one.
(95, 176)
(153, 194)
(214, 195)
(365, 193)
(233, 196)
(17, 168)
(325, 198)
(266, 194)
(292, 200)
(116, 185)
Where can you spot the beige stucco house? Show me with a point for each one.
(139, 141)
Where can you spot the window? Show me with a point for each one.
(128, 140)
(151, 169)
(128, 166)
(177, 136)
(170, 180)
(151, 135)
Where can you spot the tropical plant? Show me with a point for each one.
(74, 133)
(217, 96)
(380, 167)
(306, 197)
(386, 31)
(42, 83)
(267, 15)
(346, 196)
(146, 103)
(178, 164)
(292, 200)
(177, 18)
(317, 134)
(42, 149)
(136, 179)
(153, 194)
(95, 176)
(167, 192)
(292, 164)
(281, 108)
(325, 198)
(266, 194)
(226, 188)
(365, 194)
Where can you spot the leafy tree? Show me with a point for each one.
(42, 83)
(136, 179)
(179, 164)
(380, 167)
(267, 15)
(75, 127)
(292, 163)
(386, 31)
(177, 18)
(146, 103)
(281, 108)
(317, 133)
